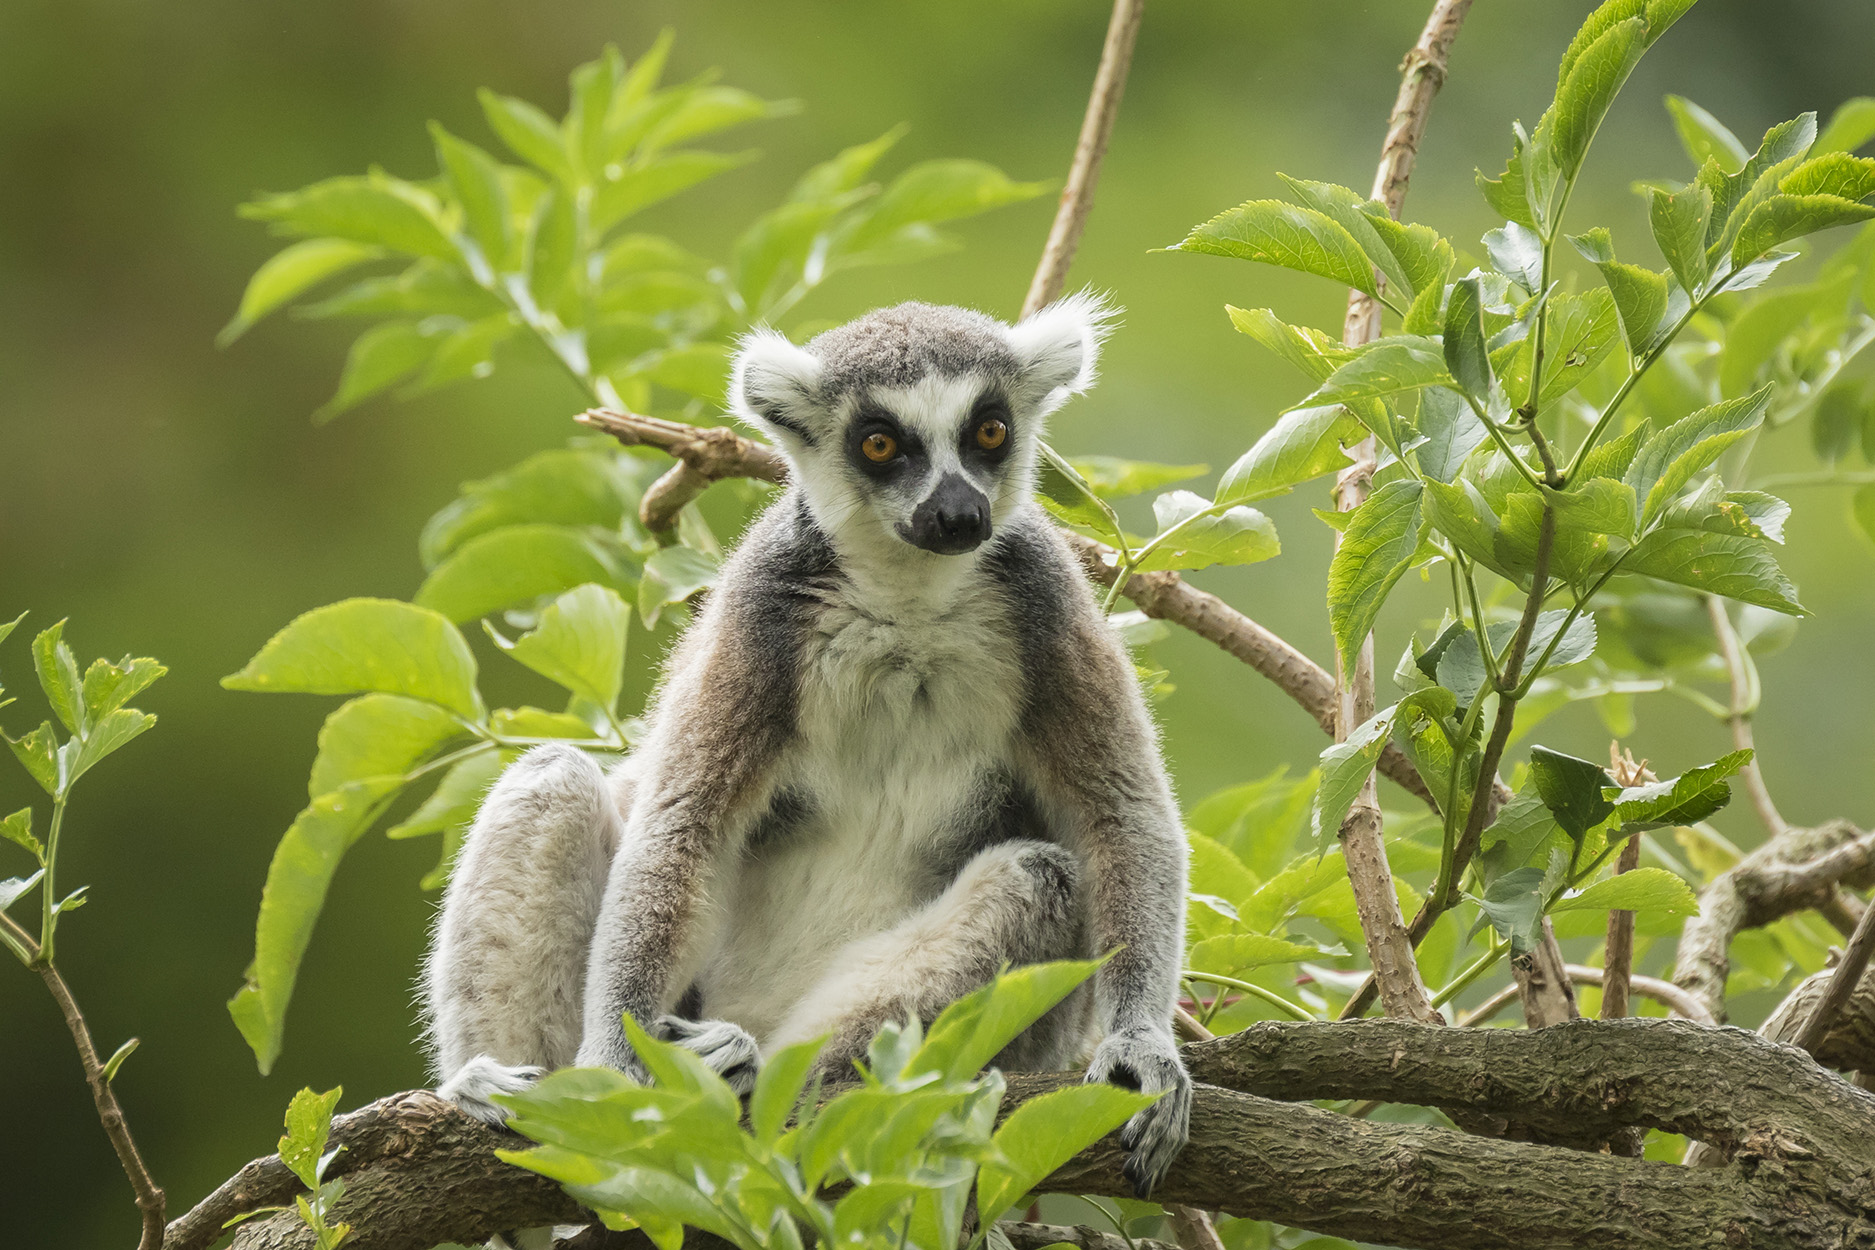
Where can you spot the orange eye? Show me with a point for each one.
(991, 433)
(879, 447)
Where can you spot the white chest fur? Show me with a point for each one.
(900, 720)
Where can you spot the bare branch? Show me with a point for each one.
(1744, 679)
(149, 1195)
(1842, 983)
(1077, 196)
(1025, 1236)
(1798, 869)
(1664, 992)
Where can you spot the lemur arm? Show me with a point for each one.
(1095, 759)
(724, 717)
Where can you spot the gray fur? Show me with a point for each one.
(874, 774)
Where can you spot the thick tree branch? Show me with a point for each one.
(1842, 984)
(1077, 196)
(419, 1172)
(1800, 868)
(1025, 1236)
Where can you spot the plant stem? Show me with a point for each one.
(48, 891)
(1618, 950)
(1477, 968)
(1295, 1010)
(150, 1200)
(1745, 696)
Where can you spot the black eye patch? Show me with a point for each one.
(989, 434)
(878, 446)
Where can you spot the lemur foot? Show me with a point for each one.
(476, 1081)
(727, 1048)
(1147, 1060)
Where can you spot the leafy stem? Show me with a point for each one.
(48, 890)
(1293, 1010)
(1477, 968)
(1502, 440)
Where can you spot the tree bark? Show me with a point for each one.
(419, 1172)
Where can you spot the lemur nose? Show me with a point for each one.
(954, 518)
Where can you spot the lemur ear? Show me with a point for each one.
(1059, 347)
(773, 384)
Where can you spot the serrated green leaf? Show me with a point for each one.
(295, 892)
(112, 731)
(308, 1127)
(1583, 329)
(1572, 790)
(1345, 767)
(566, 486)
(1670, 459)
(379, 359)
(58, 677)
(108, 686)
(375, 210)
(1240, 952)
(377, 735)
(935, 191)
(529, 133)
(1045, 1132)
(974, 1029)
(1735, 196)
(1639, 890)
(1386, 367)
(1275, 233)
(476, 179)
(1377, 548)
(1463, 339)
(1304, 444)
(362, 645)
(1682, 800)
(1680, 222)
(1362, 220)
(1239, 535)
(1452, 432)
(1513, 904)
(1306, 348)
(579, 643)
(18, 829)
(1114, 478)
(516, 565)
(38, 753)
(1517, 253)
(1640, 295)
(289, 274)
(1779, 218)
(1506, 193)
(1070, 498)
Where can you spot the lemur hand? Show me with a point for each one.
(1146, 1059)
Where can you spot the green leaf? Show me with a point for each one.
(1507, 194)
(1734, 196)
(1256, 823)
(565, 486)
(1452, 432)
(1304, 444)
(1583, 329)
(464, 353)
(1682, 800)
(1276, 233)
(1377, 548)
(1239, 536)
(937, 191)
(1670, 459)
(12, 890)
(1513, 904)
(1832, 173)
(308, 1127)
(289, 274)
(379, 359)
(1460, 665)
(1783, 217)
(112, 731)
(1241, 952)
(476, 178)
(376, 210)
(1851, 126)
(363, 645)
(1517, 253)
(290, 903)
(108, 686)
(1386, 367)
(1308, 349)
(1572, 790)
(1465, 353)
(1070, 498)
(1862, 510)
(450, 809)
(38, 752)
(529, 133)
(1345, 767)
(778, 1088)
(1679, 222)
(1640, 295)
(699, 369)
(1045, 1132)
(1588, 88)
(516, 565)
(1114, 478)
(672, 575)
(624, 192)
(58, 677)
(1639, 890)
(974, 1029)
(426, 288)
(579, 643)
(1704, 137)
(18, 829)
(1411, 257)
(1523, 826)
(377, 735)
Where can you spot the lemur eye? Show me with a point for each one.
(879, 447)
(991, 433)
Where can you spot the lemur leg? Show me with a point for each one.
(1014, 903)
(504, 982)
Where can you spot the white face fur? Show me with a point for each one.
(914, 429)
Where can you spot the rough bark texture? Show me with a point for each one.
(1796, 1139)
(1798, 869)
(1035, 1236)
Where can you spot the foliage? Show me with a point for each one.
(917, 1138)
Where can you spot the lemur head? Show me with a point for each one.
(918, 423)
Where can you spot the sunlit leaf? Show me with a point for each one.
(1282, 234)
(363, 645)
(289, 274)
(579, 643)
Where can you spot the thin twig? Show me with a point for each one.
(1744, 705)
(1618, 951)
(1842, 984)
(1077, 196)
(150, 1199)
(1665, 993)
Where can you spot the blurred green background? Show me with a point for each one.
(175, 501)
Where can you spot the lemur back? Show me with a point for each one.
(899, 748)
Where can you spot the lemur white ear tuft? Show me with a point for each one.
(1059, 347)
(773, 384)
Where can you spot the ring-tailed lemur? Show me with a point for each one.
(899, 748)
